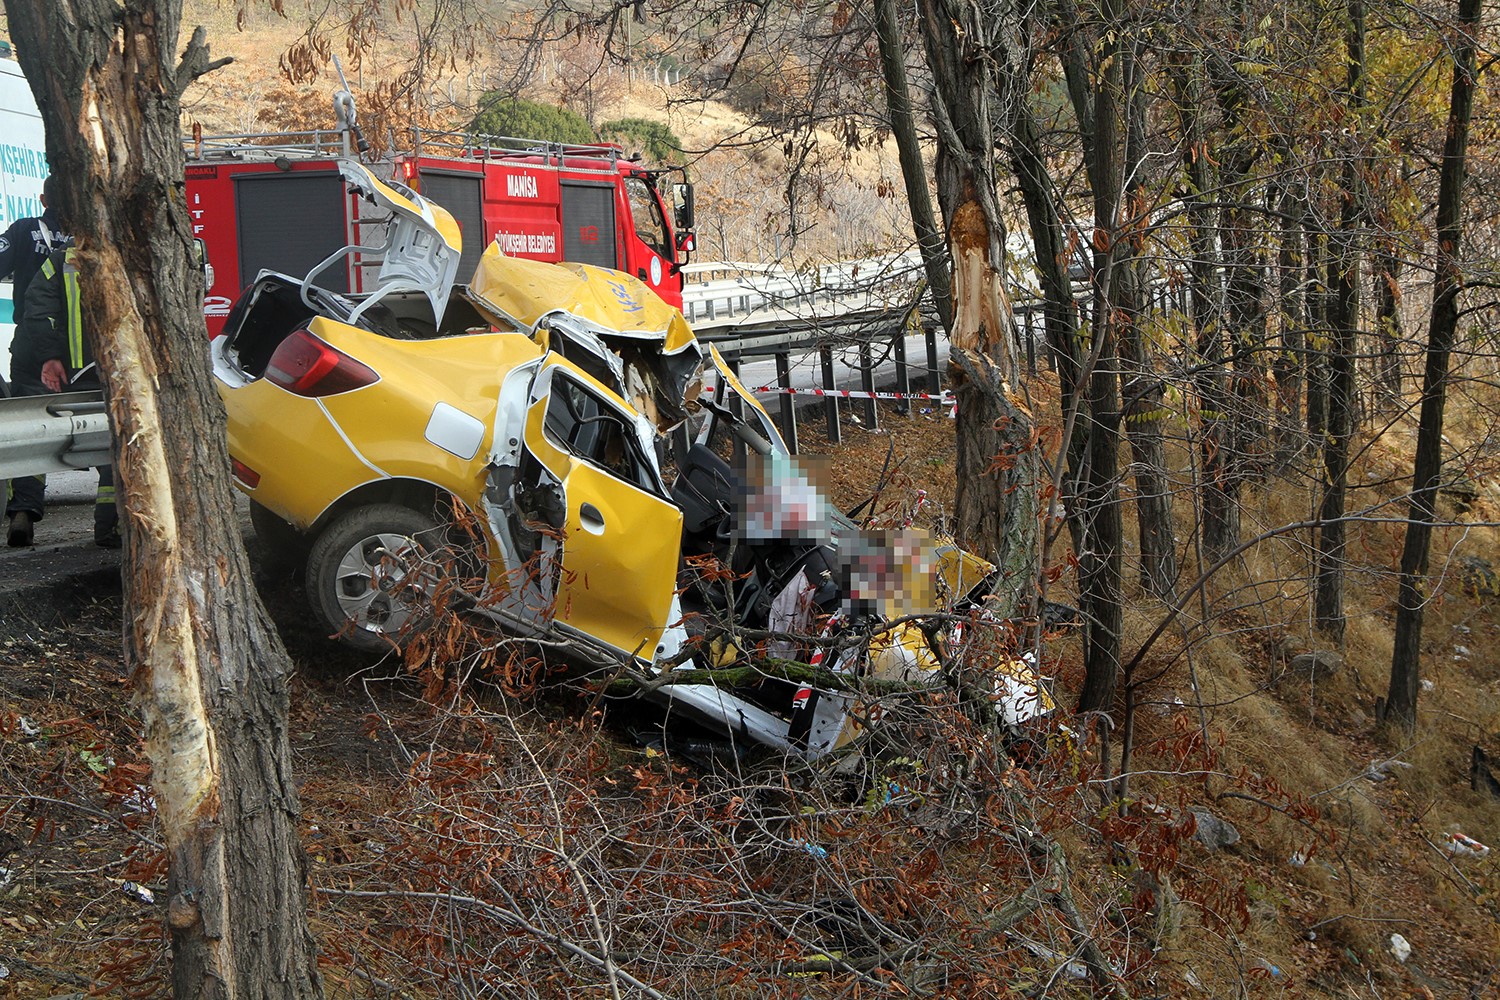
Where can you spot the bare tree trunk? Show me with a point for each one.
(1099, 560)
(1243, 234)
(1060, 312)
(1049, 247)
(1290, 361)
(1329, 596)
(209, 671)
(1388, 331)
(973, 55)
(1217, 492)
(1316, 371)
(1143, 401)
(909, 150)
(1401, 697)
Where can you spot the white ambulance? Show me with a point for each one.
(23, 167)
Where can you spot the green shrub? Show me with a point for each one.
(656, 140)
(501, 114)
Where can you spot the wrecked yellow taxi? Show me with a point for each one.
(530, 407)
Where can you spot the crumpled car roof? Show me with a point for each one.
(524, 291)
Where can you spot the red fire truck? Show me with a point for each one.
(276, 202)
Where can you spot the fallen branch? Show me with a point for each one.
(503, 915)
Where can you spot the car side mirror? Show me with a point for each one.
(682, 198)
(687, 242)
(200, 257)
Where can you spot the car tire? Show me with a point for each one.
(371, 575)
(280, 545)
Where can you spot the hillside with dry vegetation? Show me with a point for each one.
(483, 818)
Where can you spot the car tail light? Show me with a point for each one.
(307, 366)
(245, 474)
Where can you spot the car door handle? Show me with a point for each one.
(641, 273)
(591, 519)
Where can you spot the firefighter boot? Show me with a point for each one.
(20, 533)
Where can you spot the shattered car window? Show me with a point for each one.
(591, 429)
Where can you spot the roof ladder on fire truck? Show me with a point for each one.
(479, 146)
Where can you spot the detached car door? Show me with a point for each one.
(619, 536)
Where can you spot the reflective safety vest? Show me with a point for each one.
(73, 311)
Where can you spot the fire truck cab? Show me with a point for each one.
(276, 202)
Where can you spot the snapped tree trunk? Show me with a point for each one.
(1411, 598)
(209, 671)
(973, 56)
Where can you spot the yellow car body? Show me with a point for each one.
(528, 407)
(432, 423)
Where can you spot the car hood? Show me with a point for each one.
(608, 322)
(424, 244)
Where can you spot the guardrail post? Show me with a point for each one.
(830, 405)
(903, 373)
(867, 382)
(1028, 316)
(788, 400)
(934, 377)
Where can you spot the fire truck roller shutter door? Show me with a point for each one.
(588, 224)
(463, 196)
(290, 222)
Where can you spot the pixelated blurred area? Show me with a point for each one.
(891, 572)
(787, 497)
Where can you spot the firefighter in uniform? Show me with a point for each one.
(51, 348)
(24, 247)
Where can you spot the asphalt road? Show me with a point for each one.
(47, 582)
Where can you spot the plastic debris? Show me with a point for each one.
(1462, 846)
(1298, 859)
(1266, 966)
(1400, 948)
(1462, 651)
(138, 892)
(1070, 967)
(1427, 685)
(812, 849)
(139, 800)
(1380, 770)
(28, 728)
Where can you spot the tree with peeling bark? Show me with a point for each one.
(973, 55)
(209, 671)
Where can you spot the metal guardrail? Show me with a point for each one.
(721, 294)
(42, 434)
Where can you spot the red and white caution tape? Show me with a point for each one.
(945, 398)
